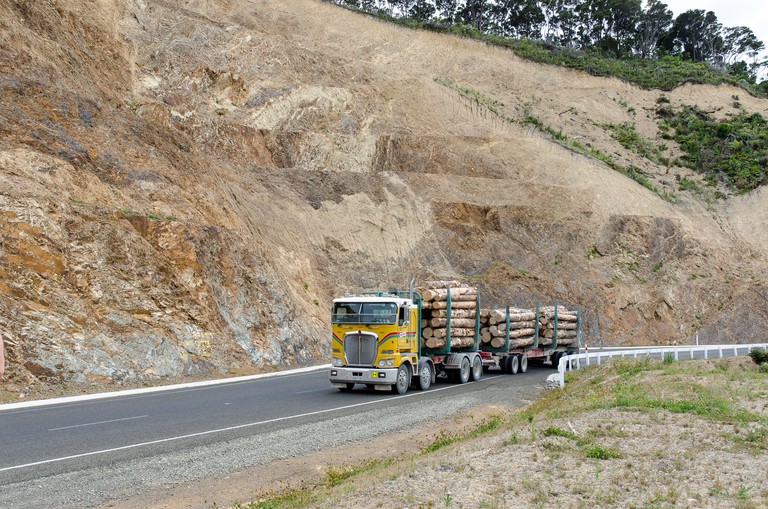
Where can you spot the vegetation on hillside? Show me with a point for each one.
(732, 151)
(647, 45)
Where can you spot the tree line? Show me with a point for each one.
(615, 28)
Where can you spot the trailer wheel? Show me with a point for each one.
(523, 363)
(514, 364)
(464, 370)
(403, 379)
(348, 387)
(504, 364)
(555, 358)
(424, 380)
(477, 369)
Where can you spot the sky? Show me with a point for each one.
(731, 13)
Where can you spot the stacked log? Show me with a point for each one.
(493, 327)
(567, 323)
(435, 314)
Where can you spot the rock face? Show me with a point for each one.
(184, 187)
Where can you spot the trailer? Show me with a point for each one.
(513, 360)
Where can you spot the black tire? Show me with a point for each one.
(348, 388)
(555, 358)
(464, 370)
(506, 363)
(424, 380)
(523, 361)
(514, 364)
(403, 379)
(477, 369)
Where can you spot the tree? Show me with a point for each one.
(475, 13)
(695, 34)
(422, 10)
(739, 41)
(519, 18)
(654, 21)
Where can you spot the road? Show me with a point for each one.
(65, 443)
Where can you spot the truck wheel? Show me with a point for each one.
(403, 380)
(477, 369)
(348, 388)
(555, 358)
(504, 364)
(523, 363)
(464, 370)
(424, 380)
(514, 364)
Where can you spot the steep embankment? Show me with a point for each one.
(185, 185)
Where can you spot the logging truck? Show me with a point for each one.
(395, 340)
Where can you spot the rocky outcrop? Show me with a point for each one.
(184, 186)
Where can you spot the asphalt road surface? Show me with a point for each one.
(65, 446)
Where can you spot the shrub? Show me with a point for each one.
(759, 355)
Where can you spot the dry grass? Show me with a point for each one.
(628, 434)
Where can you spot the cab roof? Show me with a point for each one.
(374, 299)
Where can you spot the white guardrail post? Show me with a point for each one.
(566, 361)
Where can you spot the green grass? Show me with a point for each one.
(445, 439)
(732, 151)
(629, 138)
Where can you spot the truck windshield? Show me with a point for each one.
(364, 312)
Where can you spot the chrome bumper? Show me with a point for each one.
(375, 376)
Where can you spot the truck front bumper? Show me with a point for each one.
(374, 376)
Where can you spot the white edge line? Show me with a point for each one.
(159, 388)
(100, 422)
(231, 428)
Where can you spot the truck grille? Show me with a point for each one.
(360, 349)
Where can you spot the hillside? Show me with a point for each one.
(185, 185)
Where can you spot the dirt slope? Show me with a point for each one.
(184, 186)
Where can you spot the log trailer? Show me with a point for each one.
(377, 341)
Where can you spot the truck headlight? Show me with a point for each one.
(390, 362)
(382, 363)
(336, 361)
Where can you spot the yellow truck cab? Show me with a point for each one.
(376, 342)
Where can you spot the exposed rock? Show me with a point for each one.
(184, 186)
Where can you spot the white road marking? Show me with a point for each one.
(231, 428)
(100, 422)
(159, 388)
(313, 390)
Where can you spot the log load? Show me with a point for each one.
(435, 312)
(522, 327)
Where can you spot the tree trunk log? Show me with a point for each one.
(454, 305)
(455, 322)
(457, 332)
(455, 313)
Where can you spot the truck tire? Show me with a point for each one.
(477, 369)
(403, 379)
(424, 380)
(555, 358)
(464, 370)
(514, 364)
(523, 363)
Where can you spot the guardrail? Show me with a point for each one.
(684, 352)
